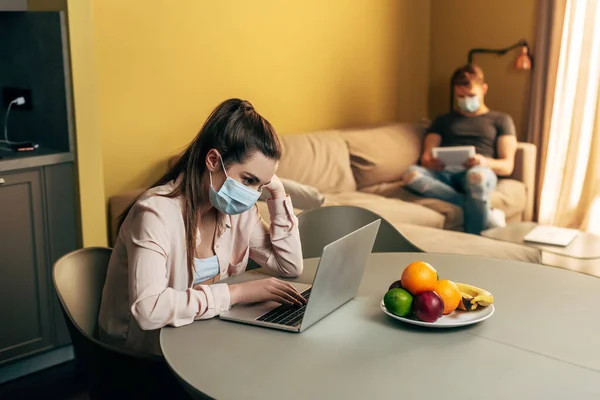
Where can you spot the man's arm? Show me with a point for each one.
(433, 138)
(427, 160)
(505, 163)
(506, 149)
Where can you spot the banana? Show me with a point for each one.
(473, 297)
(466, 303)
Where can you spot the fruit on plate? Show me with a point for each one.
(428, 306)
(398, 301)
(419, 277)
(396, 285)
(449, 293)
(473, 297)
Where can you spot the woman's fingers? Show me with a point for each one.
(284, 297)
(284, 292)
(291, 289)
(294, 292)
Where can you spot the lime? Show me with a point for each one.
(398, 302)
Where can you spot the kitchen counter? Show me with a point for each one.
(11, 160)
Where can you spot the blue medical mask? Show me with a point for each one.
(469, 104)
(233, 197)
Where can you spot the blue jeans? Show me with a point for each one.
(468, 189)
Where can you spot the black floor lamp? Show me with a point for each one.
(524, 60)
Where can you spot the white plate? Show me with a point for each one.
(452, 320)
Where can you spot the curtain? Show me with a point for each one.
(567, 125)
(550, 15)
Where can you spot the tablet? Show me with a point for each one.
(455, 156)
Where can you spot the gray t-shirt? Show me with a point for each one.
(481, 131)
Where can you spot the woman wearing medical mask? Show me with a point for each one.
(199, 224)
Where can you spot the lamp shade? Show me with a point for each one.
(523, 61)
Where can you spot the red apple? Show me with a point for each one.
(428, 306)
(396, 285)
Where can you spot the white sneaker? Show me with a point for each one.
(497, 219)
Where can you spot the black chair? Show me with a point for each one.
(109, 372)
(321, 226)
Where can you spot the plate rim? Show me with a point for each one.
(434, 324)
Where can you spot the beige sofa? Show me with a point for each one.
(364, 167)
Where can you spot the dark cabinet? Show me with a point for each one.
(24, 298)
(39, 211)
(37, 226)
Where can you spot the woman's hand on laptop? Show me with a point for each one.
(269, 289)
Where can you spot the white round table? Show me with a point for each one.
(543, 342)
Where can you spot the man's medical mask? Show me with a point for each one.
(469, 104)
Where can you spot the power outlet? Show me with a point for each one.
(11, 93)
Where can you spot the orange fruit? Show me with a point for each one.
(419, 277)
(449, 292)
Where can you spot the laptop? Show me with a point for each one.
(551, 235)
(337, 279)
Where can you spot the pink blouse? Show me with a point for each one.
(148, 284)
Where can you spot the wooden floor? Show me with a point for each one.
(58, 383)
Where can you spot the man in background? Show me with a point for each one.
(493, 135)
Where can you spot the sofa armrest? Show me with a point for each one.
(116, 205)
(524, 171)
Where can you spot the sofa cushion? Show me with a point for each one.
(453, 215)
(394, 210)
(318, 159)
(383, 153)
(304, 197)
(436, 241)
(510, 196)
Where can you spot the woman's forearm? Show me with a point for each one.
(277, 247)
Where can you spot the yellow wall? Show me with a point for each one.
(147, 73)
(459, 25)
(89, 152)
(164, 65)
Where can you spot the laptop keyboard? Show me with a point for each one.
(285, 314)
